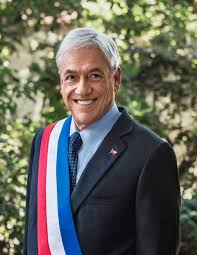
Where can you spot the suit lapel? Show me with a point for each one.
(108, 152)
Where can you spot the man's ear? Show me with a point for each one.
(117, 78)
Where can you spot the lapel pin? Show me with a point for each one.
(113, 152)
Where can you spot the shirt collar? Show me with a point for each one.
(99, 129)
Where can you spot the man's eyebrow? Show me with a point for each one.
(96, 69)
(69, 71)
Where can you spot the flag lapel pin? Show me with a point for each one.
(113, 152)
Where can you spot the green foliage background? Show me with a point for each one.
(158, 47)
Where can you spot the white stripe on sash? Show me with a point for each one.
(53, 228)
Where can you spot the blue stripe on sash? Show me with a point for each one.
(67, 228)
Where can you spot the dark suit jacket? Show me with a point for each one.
(124, 202)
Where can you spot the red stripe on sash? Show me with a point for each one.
(43, 245)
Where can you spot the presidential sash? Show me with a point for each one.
(56, 230)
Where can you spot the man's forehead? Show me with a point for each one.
(84, 68)
(84, 59)
(84, 54)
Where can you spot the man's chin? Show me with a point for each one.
(84, 120)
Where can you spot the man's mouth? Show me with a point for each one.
(85, 102)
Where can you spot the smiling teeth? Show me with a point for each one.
(85, 102)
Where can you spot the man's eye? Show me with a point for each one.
(95, 76)
(70, 78)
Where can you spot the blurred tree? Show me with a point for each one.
(157, 42)
(29, 33)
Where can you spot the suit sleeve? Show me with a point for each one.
(31, 157)
(158, 204)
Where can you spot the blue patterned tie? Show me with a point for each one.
(75, 142)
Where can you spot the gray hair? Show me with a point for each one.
(89, 37)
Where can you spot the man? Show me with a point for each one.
(99, 183)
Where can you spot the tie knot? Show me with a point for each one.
(75, 141)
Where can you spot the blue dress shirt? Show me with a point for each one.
(92, 137)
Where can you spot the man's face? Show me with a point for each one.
(87, 85)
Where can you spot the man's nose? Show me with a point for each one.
(83, 88)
